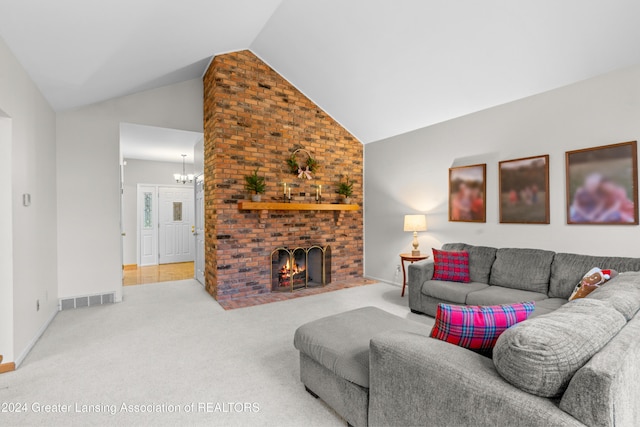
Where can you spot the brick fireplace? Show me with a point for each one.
(253, 118)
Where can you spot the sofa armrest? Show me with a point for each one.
(416, 380)
(417, 275)
(420, 273)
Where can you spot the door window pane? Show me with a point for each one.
(147, 214)
(177, 211)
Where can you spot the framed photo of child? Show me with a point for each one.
(524, 190)
(467, 198)
(602, 185)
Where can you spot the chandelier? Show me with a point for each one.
(183, 177)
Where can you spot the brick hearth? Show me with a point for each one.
(254, 118)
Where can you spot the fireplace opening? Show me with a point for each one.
(300, 268)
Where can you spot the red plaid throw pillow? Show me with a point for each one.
(477, 327)
(451, 265)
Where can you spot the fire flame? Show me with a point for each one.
(288, 269)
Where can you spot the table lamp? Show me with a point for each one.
(415, 223)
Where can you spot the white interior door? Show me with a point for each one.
(199, 234)
(176, 224)
(147, 225)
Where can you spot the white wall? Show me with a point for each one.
(143, 172)
(6, 243)
(409, 173)
(89, 253)
(198, 158)
(28, 267)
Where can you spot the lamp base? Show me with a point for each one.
(415, 253)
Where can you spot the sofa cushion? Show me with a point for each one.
(454, 246)
(481, 259)
(622, 292)
(548, 305)
(477, 327)
(492, 295)
(568, 269)
(541, 355)
(526, 269)
(451, 266)
(340, 342)
(451, 291)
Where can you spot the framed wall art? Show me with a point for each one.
(602, 185)
(524, 190)
(467, 198)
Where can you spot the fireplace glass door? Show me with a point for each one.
(299, 268)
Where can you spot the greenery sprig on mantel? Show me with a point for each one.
(346, 187)
(254, 183)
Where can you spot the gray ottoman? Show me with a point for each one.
(334, 357)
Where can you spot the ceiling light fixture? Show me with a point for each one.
(183, 178)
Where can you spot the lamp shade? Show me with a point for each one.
(415, 223)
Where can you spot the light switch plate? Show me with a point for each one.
(26, 199)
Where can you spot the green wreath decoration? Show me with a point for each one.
(308, 167)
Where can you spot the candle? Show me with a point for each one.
(289, 193)
(320, 190)
(317, 193)
(285, 189)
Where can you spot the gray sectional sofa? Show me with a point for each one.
(508, 275)
(574, 364)
(578, 365)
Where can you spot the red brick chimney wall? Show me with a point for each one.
(253, 118)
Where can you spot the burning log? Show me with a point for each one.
(287, 271)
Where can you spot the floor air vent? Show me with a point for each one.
(88, 301)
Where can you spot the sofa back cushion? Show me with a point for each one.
(622, 292)
(481, 259)
(525, 269)
(567, 270)
(453, 247)
(541, 355)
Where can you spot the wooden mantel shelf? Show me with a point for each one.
(265, 207)
(280, 206)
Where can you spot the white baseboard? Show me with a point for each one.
(377, 279)
(35, 339)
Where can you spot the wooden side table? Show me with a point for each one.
(411, 259)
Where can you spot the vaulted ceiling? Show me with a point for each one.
(379, 67)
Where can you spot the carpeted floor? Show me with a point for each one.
(170, 355)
